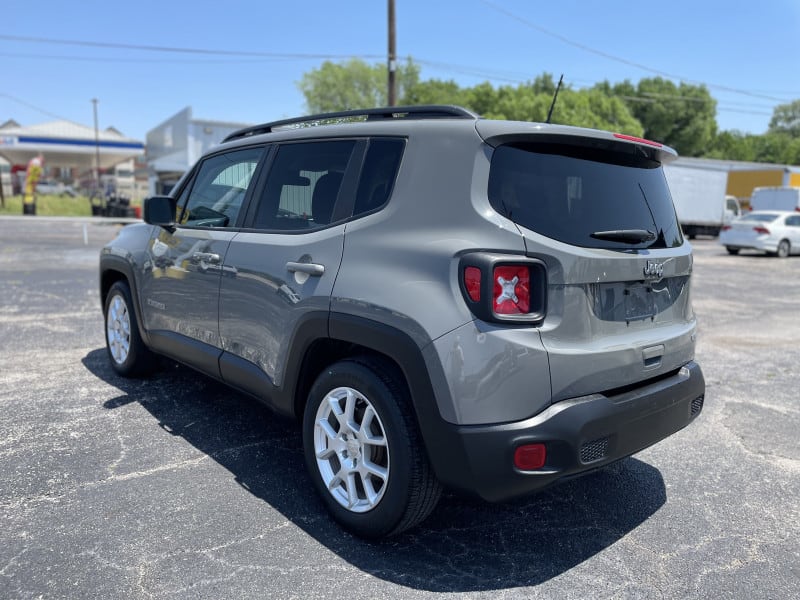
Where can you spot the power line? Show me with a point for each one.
(147, 48)
(33, 106)
(620, 59)
(106, 59)
(495, 75)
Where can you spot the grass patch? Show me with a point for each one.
(51, 206)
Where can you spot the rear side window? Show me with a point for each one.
(303, 185)
(377, 175)
(567, 194)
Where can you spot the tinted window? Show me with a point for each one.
(216, 196)
(378, 173)
(303, 185)
(566, 193)
(793, 221)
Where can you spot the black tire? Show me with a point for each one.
(410, 491)
(732, 250)
(138, 360)
(784, 248)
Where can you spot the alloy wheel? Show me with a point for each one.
(351, 450)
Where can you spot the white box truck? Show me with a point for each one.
(775, 198)
(698, 192)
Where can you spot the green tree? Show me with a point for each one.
(682, 116)
(786, 119)
(733, 145)
(435, 91)
(353, 84)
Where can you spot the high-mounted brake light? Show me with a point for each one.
(761, 229)
(632, 138)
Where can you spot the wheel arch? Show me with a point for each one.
(350, 336)
(113, 269)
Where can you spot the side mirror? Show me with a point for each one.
(160, 210)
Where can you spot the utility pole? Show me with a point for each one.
(96, 150)
(392, 95)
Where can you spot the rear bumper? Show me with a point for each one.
(580, 435)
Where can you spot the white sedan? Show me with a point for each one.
(771, 231)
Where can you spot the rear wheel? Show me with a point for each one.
(363, 450)
(128, 353)
(783, 249)
(732, 250)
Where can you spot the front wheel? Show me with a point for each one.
(363, 450)
(783, 249)
(128, 353)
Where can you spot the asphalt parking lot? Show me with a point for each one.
(179, 487)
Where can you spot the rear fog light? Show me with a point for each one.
(530, 457)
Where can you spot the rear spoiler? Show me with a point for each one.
(497, 133)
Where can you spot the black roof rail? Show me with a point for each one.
(431, 111)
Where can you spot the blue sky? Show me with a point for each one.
(747, 53)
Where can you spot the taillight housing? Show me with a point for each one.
(761, 229)
(726, 227)
(504, 288)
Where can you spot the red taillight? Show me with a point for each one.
(631, 138)
(499, 288)
(530, 457)
(512, 290)
(726, 227)
(761, 229)
(472, 281)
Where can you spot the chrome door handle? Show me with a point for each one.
(308, 268)
(207, 257)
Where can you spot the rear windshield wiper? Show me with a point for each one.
(632, 236)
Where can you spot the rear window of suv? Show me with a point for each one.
(567, 193)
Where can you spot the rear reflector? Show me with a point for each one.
(631, 138)
(530, 457)
(472, 281)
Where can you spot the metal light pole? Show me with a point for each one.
(392, 95)
(96, 149)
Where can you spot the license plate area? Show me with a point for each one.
(640, 302)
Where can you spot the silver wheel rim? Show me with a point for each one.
(118, 329)
(351, 450)
(783, 249)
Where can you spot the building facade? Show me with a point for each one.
(177, 143)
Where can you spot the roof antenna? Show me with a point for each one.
(555, 96)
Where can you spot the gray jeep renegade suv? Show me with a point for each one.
(442, 300)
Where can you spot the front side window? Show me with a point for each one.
(217, 194)
(574, 195)
(303, 185)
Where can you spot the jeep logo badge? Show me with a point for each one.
(653, 270)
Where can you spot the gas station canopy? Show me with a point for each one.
(66, 144)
